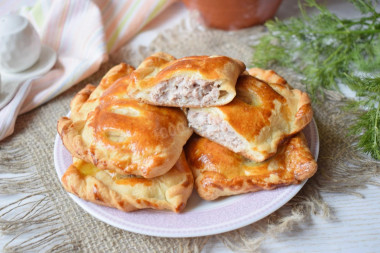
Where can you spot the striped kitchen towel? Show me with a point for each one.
(83, 33)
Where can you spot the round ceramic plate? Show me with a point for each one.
(200, 217)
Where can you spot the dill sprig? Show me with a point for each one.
(368, 124)
(327, 51)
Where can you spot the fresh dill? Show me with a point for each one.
(327, 51)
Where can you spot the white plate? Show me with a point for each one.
(200, 217)
(10, 82)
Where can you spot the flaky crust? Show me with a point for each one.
(170, 191)
(220, 172)
(124, 135)
(261, 116)
(161, 67)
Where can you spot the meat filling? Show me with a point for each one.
(185, 91)
(215, 129)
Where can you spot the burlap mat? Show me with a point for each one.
(55, 223)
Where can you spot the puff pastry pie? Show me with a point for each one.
(221, 172)
(259, 118)
(128, 193)
(124, 135)
(194, 81)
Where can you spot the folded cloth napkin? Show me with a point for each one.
(83, 33)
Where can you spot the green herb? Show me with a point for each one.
(368, 124)
(327, 51)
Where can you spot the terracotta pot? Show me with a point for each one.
(233, 14)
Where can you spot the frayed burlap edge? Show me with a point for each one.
(41, 218)
(342, 168)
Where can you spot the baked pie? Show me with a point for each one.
(259, 118)
(220, 172)
(125, 135)
(194, 81)
(127, 192)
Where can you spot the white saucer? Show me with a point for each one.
(10, 82)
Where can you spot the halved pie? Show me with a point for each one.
(194, 81)
(258, 119)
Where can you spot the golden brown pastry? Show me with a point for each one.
(259, 118)
(221, 172)
(87, 99)
(124, 135)
(194, 81)
(269, 76)
(128, 193)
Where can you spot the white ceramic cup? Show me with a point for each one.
(20, 45)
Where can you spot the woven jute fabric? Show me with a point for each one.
(44, 218)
